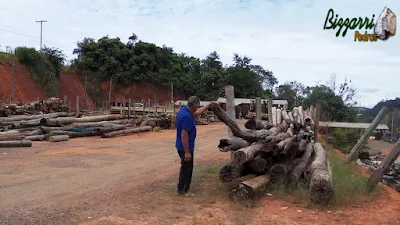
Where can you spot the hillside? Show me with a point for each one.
(26, 90)
(70, 84)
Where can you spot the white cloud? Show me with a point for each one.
(286, 37)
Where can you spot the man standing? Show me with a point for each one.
(185, 138)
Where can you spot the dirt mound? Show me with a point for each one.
(137, 92)
(25, 89)
(71, 85)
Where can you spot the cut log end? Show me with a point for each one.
(321, 187)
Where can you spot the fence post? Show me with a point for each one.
(77, 105)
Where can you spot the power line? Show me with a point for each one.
(19, 33)
(27, 35)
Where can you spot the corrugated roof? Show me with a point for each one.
(351, 125)
(183, 102)
(239, 101)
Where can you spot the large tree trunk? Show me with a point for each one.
(58, 138)
(302, 166)
(99, 124)
(232, 144)
(32, 117)
(301, 115)
(69, 120)
(36, 137)
(247, 188)
(127, 131)
(15, 144)
(258, 164)
(236, 131)
(230, 171)
(253, 124)
(321, 187)
(246, 154)
(37, 131)
(286, 117)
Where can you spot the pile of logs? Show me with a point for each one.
(371, 160)
(20, 131)
(50, 105)
(282, 150)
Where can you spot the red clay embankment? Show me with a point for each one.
(25, 89)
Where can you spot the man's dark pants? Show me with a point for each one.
(185, 174)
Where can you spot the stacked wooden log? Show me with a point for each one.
(19, 130)
(282, 150)
(50, 105)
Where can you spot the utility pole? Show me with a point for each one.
(41, 30)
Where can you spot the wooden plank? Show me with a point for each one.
(230, 106)
(270, 110)
(384, 166)
(316, 120)
(353, 155)
(258, 108)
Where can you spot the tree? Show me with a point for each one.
(142, 62)
(293, 91)
(344, 90)
(56, 57)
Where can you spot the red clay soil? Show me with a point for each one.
(137, 92)
(71, 85)
(25, 89)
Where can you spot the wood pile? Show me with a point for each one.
(20, 131)
(282, 150)
(50, 105)
(371, 161)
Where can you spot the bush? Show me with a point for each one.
(344, 139)
(42, 71)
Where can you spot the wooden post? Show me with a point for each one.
(384, 166)
(155, 101)
(149, 105)
(353, 155)
(77, 105)
(144, 108)
(173, 107)
(121, 108)
(258, 108)
(65, 99)
(129, 108)
(270, 100)
(311, 111)
(134, 107)
(69, 105)
(317, 112)
(230, 107)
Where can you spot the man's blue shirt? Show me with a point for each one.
(185, 121)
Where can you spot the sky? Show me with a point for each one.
(285, 37)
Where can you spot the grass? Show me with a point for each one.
(7, 57)
(349, 183)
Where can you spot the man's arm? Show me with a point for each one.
(202, 109)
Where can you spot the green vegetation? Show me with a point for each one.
(344, 139)
(349, 184)
(44, 67)
(142, 62)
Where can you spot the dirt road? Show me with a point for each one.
(132, 180)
